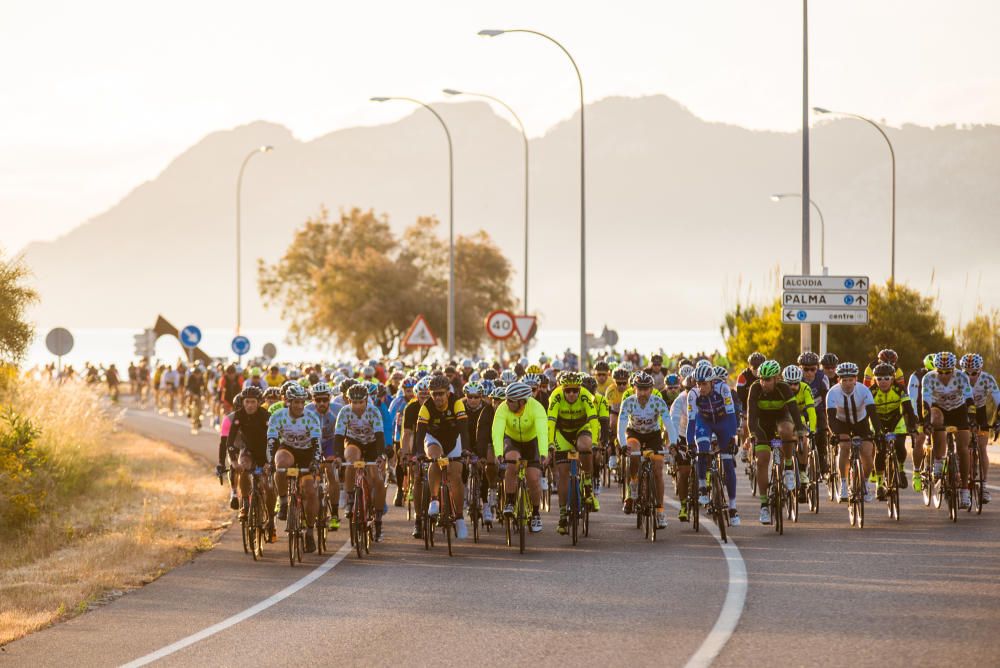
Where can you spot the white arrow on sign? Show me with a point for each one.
(832, 316)
(825, 283)
(826, 299)
(524, 324)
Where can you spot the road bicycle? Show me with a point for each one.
(647, 501)
(856, 483)
(776, 491)
(815, 476)
(890, 474)
(833, 480)
(254, 525)
(750, 466)
(323, 516)
(578, 512)
(473, 493)
(361, 515)
(519, 521)
(447, 513)
(715, 489)
(295, 524)
(977, 474)
(945, 487)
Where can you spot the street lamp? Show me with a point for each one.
(583, 195)
(777, 197)
(892, 192)
(239, 259)
(524, 137)
(451, 218)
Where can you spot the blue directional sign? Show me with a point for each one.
(848, 299)
(241, 345)
(801, 315)
(190, 336)
(849, 283)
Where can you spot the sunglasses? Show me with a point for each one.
(571, 390)
(515, 402)
(439, 394)
(601, 375)
(883, 379)
(319, 400)
(811, 368)
(621, 383)
(945, 372)
(972, 373)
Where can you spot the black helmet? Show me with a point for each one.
(755, 359)
(885, 369)
(439, 383)
(829, 359)
(641, 379)
(252, 392)
(888, 355)
(347, 384)
(357, 392)
(602, 366)
(590, 383)
(808, 358)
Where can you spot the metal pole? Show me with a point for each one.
(822, 223)
(823, 326)
(805, 336)
(239, 254)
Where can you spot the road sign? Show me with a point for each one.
(419, 335)
(500, 324)
(525, 326)
(831, 316)
(145, 343)
(825, 283)
(241, 345)
(270, 352)
(827, 299)
(59, 341)
(190, 336)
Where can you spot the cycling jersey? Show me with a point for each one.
(328, 423)
(914, 389)
(819, 386)
(985, 388)
(614, 398)
(806, 404)
(246, 431)
(445, 426)
(410, 414)
(602, 388)
(765, 408)
(359, 429)
(715, 406)
(568, 420)
(679, 412)
(295, 433)
(891, 407)
(530, 423)
(850, 408)
(396, 409)
(653, 416)
(950, 396)
(603, 416)
(743, 383)
(898, 379)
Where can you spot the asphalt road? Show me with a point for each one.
(916, 592)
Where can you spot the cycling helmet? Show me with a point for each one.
(321, 390)
(372, 388)
(971, 362)
(619, 374)
(627, 366)
(252, 392)
(357, 392)
(439, 383)
(557, 365)
(238, 402)
(756, 359)
(590, 384)
(929, 361)
(721, 373)
(672, 379)
(488, 388)
(422, 373)
(483, 365)
(702, 363)
(883, 370)
(829, 359)
(272, 394)
(808, 358)
(499, 392)
(769, 369)
(656, 359)
(792, 374)
(466, 363)
(533, 379)
(287, 384)
(508, 376)
(409, 382)
(491, 374)
(346, 384)
(518, 391)
(570, 379)
(423, 385)
(944, 361)
(704, 374)
(533, 369)
(888, 355)
(847, 369)
(473, 389)
(475, 376)
(686, 370)
(641, 379)
(602, 366)
(296, 392)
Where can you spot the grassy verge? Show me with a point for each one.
(107, 511)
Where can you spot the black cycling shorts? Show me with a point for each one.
(528, 450)
(859, 429)
(956, 417)
(369, 451)
(647, 441)
(767, 423)
(304, 457)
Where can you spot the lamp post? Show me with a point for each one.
(892, 191)
(583, 189)
(524, 138)
(451, 217)
(239, 259)
(777, 197)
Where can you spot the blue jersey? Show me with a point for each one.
(716, 405)
(327, 422)
(396, 413)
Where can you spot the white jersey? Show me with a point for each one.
(646, 418)
(678, 413)
(359, 429)
(984, 388)
(851, 408)
(170, 380)
(946, 396)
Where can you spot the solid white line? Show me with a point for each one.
(732, 606)
(314, 575)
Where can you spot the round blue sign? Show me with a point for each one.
(801, 315)
(190, 336)
(848, 299)
(848, 283)
(241, 345)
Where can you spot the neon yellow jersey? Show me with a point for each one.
(568, 420)
(614, 398)
(530, 422)
(807, 405)
(602, 388)
(602, 407)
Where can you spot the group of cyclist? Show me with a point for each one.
(392, 418)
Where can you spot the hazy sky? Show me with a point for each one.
(98, 96)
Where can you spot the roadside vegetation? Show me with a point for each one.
(87, 511)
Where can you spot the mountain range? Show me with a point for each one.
(679, 220)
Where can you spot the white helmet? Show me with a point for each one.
(557, 365)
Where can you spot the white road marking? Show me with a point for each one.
(296, 586)
(732, 606)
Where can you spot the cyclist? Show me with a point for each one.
(359, 435)
(613, 395)
(520, 430)
(443, 431)
(984, 387)
(895, 416)
(602, 373)
(744, 380)
(818, 383)
(604, 419)
(829, 362)
(293, 440)
(772, 411)
(403, 397)
(656, 370)
(409, 426)
(680, 416)
(320, 409)
(806, 404)
(948, 393)
(850, 411)
(886, 356)
(573, 425)
(914, 388)
(715, 415)
(246, 445)
(641, 422)
(480, 417)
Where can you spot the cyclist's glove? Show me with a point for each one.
(219, 470)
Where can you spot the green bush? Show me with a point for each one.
(23, 478)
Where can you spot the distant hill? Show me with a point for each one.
(679, 219)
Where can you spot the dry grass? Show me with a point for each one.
(143, 507)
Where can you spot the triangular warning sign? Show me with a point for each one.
(525, 326)
(419, 335)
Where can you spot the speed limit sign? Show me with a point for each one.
(500, 324)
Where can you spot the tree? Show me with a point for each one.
(899, 318)
(353, 281)
(16, 332)
(982, 335)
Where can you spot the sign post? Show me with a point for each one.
(839, 300)
(419, 335)
(270, 351)
(240, 346)
(59, 342)
(190, 337)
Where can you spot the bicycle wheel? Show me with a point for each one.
(752, 473)
(979, 468)
(640, 497)
(445, 520)
(892, 486)
(721, 509)
(245, 531)
(522, 519)
(474, 501)
(694, 512)
(574, 508)
(292, 527)
(927, 486)
(254, 523)
(953, 489)
(812, 490)
(358, 527)
(793, 497)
